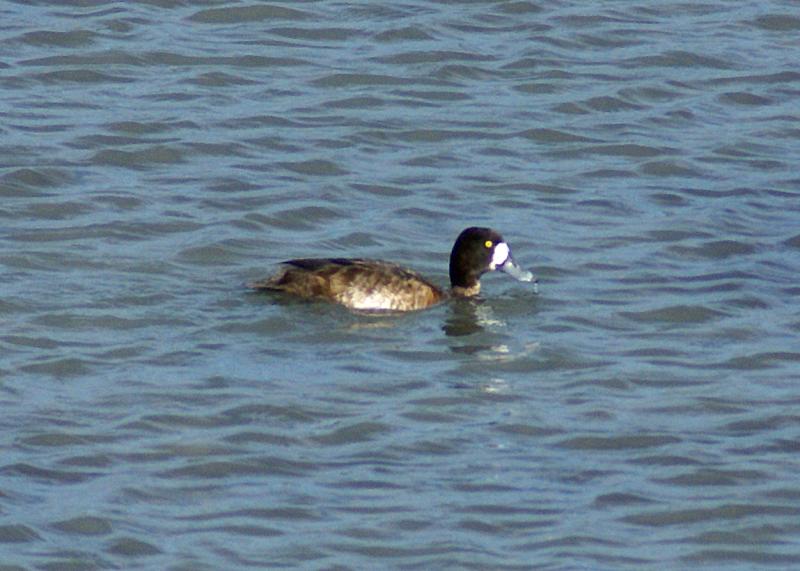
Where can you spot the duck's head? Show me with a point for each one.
(477, 251)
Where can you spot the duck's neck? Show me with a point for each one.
(463, 281)
(468, 291)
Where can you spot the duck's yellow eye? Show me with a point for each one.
(488, 243)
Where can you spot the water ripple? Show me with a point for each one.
(639, 412)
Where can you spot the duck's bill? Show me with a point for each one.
(515, 271)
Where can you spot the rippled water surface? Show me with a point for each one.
(641, 412)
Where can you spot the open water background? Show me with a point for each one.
(641, 412)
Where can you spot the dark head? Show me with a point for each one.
(477, 251)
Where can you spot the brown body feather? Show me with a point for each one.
(355, 283)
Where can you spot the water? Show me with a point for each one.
(640, 412)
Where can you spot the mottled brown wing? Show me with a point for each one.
(356, 283)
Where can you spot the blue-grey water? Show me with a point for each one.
(641, 412)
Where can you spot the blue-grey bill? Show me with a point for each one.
(515, 271)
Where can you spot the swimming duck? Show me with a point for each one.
(378, 285)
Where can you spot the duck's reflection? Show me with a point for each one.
(477, 318)
(470, 316)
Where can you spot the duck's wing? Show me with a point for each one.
(292, 273)
(354, 282)
(320, 264)
(378, 285)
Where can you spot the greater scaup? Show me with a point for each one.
(377, 285)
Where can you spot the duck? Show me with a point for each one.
(377, 285)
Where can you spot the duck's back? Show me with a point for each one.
(356, 283)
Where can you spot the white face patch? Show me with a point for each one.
(499, 256)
